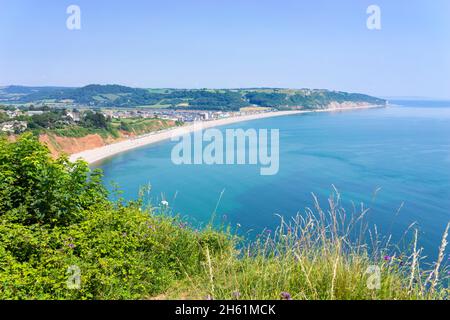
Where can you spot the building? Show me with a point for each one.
(13, 113)
(204, 116)
(34, 113)
(14, 126)
(74, 116)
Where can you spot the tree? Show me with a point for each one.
(3, 117)
(125, 126)
(35, 188)
(95, 120)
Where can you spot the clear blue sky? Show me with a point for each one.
(230, 43)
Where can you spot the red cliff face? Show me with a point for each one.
(67, 145)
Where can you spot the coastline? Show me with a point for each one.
(94, 155)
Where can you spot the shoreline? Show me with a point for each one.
(95, 155)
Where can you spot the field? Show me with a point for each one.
(140, 125)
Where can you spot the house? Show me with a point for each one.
(204, 116)
(13, 113)
(34, 113)
(74, 116)
(14, 126)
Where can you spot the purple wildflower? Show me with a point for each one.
(183, 225)
(236, 294)
(71, 245)
(285, 296)
(387, 258)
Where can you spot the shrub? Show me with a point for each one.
(34, 188)
(121, 254)
(56, 219)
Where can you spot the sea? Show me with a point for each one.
(395, 161)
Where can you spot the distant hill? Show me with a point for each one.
(206, 99)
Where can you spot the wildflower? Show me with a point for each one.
(182, 225)
(209, 297)
(165, 203)
(236, 294)
(268, 231)
(285, 296)
(387, 258)
(71, 245)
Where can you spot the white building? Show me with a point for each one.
(14, 126)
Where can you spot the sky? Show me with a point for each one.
(230, 44)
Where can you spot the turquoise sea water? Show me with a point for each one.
(403, 152)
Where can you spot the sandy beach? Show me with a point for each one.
(97, 154)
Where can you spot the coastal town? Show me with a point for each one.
(96, 121)
(15, 120)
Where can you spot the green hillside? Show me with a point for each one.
(205, 99)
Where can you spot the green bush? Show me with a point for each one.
(56, 219)
(34, 188)
(121, 254)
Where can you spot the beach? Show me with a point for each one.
(97, 154)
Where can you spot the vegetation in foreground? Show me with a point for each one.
(56, 220)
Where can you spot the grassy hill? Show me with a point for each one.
(207, 99)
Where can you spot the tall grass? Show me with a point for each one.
(321, 254)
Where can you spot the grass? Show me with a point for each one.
(320, 255)
(250, 109)
(74, 131)
(136, 126)
(56, 215)
(142, 126)
(155, 106)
